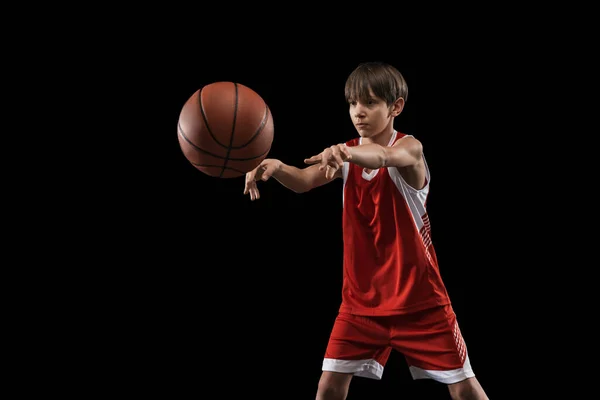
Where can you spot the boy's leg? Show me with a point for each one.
(333, 386)
(358, 346)
(433, 345)
(469, 389)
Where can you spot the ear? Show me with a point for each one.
(397, 107)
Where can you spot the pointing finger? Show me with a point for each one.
(324, 159)
(338, 159)
(313, 159)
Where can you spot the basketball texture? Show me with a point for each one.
(225, 129)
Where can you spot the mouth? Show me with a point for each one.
(361, 125)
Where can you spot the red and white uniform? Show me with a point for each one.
(390, 266)
(393, 296)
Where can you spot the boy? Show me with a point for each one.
(393, 296)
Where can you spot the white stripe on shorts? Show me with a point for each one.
(448, 377)
(365, 368)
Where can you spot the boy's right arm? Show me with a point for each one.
(299, 180)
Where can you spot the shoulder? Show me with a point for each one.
(404, 137)
(408, 142)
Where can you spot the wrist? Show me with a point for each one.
(278, 167)
(351, 151)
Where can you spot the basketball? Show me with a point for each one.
(225, 129)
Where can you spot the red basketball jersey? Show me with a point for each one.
(390, 266)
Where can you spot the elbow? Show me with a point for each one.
(308, 181)
(301, 188)
(306, 188)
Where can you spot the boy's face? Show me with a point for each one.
(371, 116)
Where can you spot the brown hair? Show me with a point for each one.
(383, 79)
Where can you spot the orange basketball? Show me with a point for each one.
(225, 129)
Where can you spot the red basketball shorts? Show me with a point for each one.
(430, 341)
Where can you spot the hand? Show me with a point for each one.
(331, 159)
(263, 172)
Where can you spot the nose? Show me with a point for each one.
(359, 111)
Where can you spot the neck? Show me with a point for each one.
(382, 138)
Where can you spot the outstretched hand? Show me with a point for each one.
(263, 172)
(331, 159)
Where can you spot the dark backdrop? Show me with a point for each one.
(224, 288)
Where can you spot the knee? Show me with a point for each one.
(329, 392)
(461, 393)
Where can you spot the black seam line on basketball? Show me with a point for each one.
(206, 121)
(235, 108)
(218, 166)
(180, 130)
(258, 130)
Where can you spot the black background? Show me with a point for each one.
(222, 289)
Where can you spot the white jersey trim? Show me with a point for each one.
(365, 175)
(415, 198)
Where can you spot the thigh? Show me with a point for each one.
(467, 389)
(433, 345)
(357, 345)
(334, 384)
